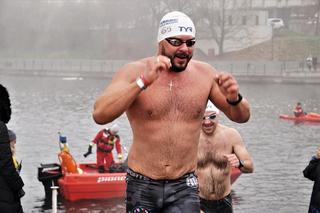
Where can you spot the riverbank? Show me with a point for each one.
(307, 78)
(251, 71)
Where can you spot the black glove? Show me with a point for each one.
(88, 152)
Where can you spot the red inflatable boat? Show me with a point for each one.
(82, 181)
(91, 184)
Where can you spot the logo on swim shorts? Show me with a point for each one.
(192, 181)
(140, 210)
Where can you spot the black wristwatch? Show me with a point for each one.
(241, 164)
(234, 103)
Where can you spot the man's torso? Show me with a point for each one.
(165, 120)
(213, 170)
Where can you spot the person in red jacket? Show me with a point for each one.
(105, 140)
(298, 111)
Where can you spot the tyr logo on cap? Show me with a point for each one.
(185, 29)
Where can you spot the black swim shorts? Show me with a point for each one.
(217, 206)
(162, 196)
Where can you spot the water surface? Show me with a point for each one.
(281, 149)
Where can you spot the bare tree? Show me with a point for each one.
(159, 8)
(222, 20)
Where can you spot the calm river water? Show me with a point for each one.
(280, 149)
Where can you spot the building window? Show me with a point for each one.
(257, 20)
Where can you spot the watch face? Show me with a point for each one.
(241, 163)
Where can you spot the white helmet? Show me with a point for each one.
(114, 129)
(212, 108)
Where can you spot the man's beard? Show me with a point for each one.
(174, 67)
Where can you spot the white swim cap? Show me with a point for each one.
(114, 129)
(175, 23)
(212, 108)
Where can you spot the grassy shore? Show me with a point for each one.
(287, 46)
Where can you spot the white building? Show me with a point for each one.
(247, 22)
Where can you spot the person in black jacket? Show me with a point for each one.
(10, 181)
(312, 172)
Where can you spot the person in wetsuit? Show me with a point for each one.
(220, 148)
(164, 97)
(106, 140)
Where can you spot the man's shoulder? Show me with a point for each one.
(135, 65)
(201, 63)
(228, 130)
(139, 62)
(225, 127)
(203, 66)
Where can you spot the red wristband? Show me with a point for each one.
(145, 81)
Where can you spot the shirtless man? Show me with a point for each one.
(164, 97)
(220, 148)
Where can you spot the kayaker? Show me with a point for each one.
(11, 184)
(298, 111)
(312, 172)
(164, 97)
(220, 148)
(105, 140)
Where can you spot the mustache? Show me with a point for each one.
(182, 55)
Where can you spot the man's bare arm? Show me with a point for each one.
(226, 96)
(125, 88)
(242, 153)
(117, 97)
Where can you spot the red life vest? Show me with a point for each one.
(106, 141)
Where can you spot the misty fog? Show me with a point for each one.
(101, 29)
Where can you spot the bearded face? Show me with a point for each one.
(179, 56)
